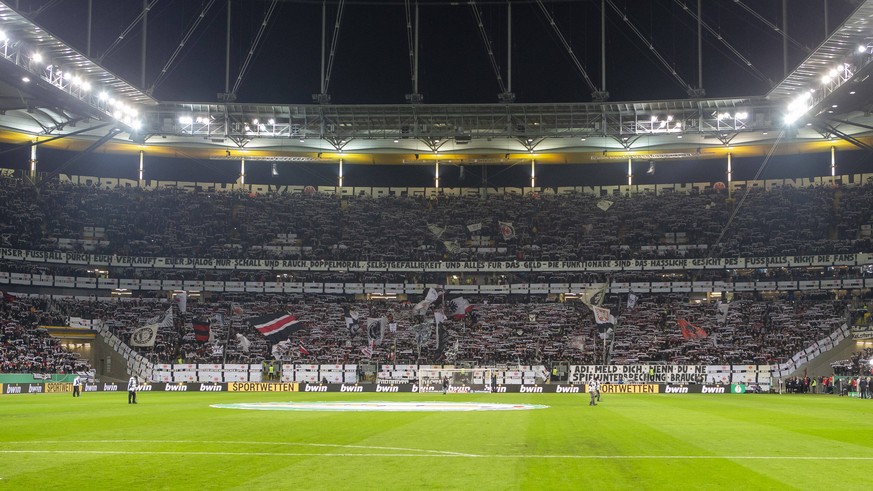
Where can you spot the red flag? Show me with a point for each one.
(690, 331)
(201, 331)
(301, 348)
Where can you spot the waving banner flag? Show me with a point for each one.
(202, 333)
(277, 326)
(243, 342)
(182, 301)
(604, 204)
(721, 315)
(144, 336)
(474, 227)
(458, 308)
(602, 316)
(593, 295)
(375, 330)
(436, 230)
(506, 230)
(690, 331)
(351, 317)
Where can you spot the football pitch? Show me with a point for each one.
(180, 441)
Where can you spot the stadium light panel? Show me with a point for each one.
(37, 57)
(3, 36)
(669, 118)
(25, 79)
(826, 79)
(271, 121)
(86, 86)
(832, 73)
(654, 118)
(862, 48)
(136, 124)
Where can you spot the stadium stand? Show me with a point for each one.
(172, 222)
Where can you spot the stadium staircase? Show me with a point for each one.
(821, 366)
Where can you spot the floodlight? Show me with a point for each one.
(2, 36)
(832, 73)
(25, 79)
(654, 118)
(255, 121)
(76, 80)
(742, 115)
(862, 48)
(669, 117)
(271, 121)
(117, 114)
(136, 124)
(103, 95)
(825, 79)
(86, 86)
(37, 57)
(68, 75)
(185, 120)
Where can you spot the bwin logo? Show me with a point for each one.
(566, 390)
(351, 388)
(675, 390)
(524, 389)
(315, 388)
(711, 390)
(387, 388)
(176, 388)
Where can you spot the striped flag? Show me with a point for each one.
(201, 331)
(277, 326)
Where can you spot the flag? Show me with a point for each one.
(182, 301)
(632, 301)
(145, 335)
(375, 330)
(594, 295)
(277, 326)
(531, 317)
(690, 331)
(302, 349)
(235, 308)
(352, 324)
(243, 342)
(431, 297)
(602, 316)
(168, 318)
(422, 332)
(217, 350)
(442, 340)
(506, 230)
(604, 204)
(474, 227)
(8, 297)
(367, 351)
(436, 230)
(721, 315)
(458, 308)
(439, 317)
(452, 246)
(392, 326)
(202, 333)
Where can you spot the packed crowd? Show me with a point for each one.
(171, 222)
(496, 330)
(27, 348)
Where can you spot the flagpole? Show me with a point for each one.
(227, 340)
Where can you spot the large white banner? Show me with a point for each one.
(671, 374)
(58, 257)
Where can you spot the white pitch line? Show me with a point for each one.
(407, 455)
(216, 442)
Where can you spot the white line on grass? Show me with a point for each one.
(214, 442)
(431, 455)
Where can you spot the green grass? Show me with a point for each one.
(677, 442)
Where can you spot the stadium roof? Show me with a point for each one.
(42, 98)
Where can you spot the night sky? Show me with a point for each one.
(372, 61)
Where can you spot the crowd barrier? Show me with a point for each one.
(107, 284)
